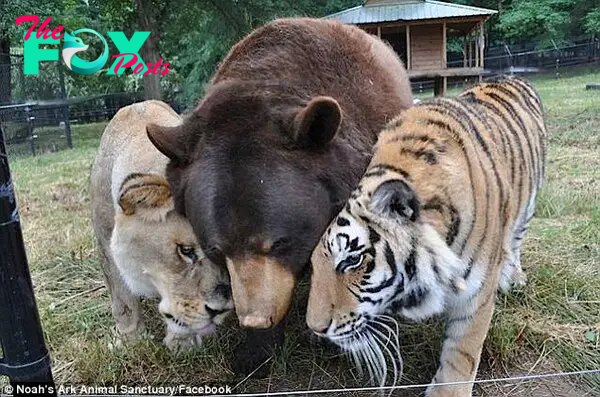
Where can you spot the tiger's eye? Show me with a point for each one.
(350, 262)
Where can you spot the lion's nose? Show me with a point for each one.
(223, 290)
(214, 312)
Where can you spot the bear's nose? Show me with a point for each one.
(256, 321)
(214, 312)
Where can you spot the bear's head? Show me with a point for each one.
(260, 169)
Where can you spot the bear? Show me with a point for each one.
(281, 136)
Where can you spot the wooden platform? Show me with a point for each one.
(440, 76)
(447, 72)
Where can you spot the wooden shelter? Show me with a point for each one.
(419, 31)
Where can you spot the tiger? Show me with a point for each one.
(434, 228)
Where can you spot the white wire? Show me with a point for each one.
(366, 389)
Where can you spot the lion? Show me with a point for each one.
(146, 248)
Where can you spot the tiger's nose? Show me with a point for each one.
(214, 312)
(320, 327)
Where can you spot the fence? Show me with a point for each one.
(37, 115)
(528, 58)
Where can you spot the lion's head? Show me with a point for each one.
(158, 254)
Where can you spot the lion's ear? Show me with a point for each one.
(147, 196)
(172, 141)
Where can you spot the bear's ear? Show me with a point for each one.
(146, 195)
(394, 198)
(317, 123)
(171, 141)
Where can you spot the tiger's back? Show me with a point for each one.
(436, 223)
(521, 136)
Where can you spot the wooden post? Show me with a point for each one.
(476, 49)
(444, 47)
(464, 52)
(470, 52)
(379, 31)
(439, 86)
(481, 44)
(408, 51)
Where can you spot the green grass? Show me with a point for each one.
(551, 324)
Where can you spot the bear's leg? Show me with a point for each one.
(258, 346)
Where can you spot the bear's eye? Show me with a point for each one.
(351, 262)
(280, 246)
(215, 254)
(187, 251)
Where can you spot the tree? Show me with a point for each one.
(218, 24)
(150, 50)
(542, 20)
(592, 22)
(5, 68)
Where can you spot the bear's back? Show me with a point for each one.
(320, 57)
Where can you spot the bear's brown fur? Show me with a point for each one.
(282, 135)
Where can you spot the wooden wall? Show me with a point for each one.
(427, 47)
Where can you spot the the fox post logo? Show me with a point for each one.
(128, 50)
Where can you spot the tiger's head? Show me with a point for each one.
(379, 256)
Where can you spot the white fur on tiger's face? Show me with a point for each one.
(434, 227)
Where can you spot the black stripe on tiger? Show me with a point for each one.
(459, 115)
(453, 227)
(519, 144)
(437, 146)
(381, 169)
(516, 117)
(341, 221)
(427, 155)
(520, 99)
(445, 126)
(472, 98)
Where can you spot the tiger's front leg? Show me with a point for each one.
(467, 326)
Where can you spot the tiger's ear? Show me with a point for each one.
(171, 141)
(394, 198)
(317, 123)
(147, 196)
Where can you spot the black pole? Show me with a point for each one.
(65, 106)
(25, 358)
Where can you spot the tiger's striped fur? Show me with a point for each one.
(435, 225)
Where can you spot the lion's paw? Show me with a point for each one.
(178, 343)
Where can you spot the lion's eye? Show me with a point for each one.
(351, 262)
(187, 251)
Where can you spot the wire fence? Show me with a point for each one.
(527, 58)
(36, 111)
